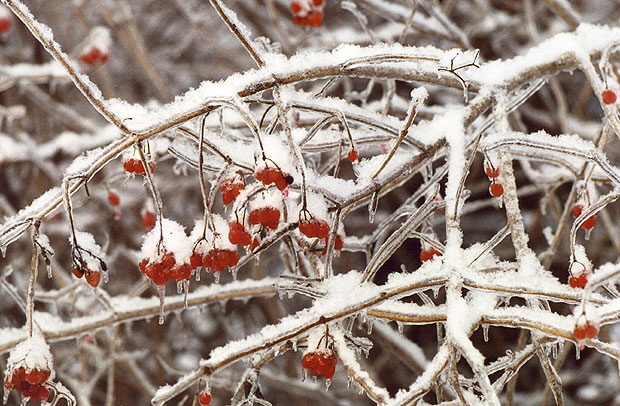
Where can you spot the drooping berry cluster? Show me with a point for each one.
(29, 369)
(308, 12)
(268, 217)
(92, 277)
(314, 228)
(29, 383)
(578, 275)
(496, 189)
(164, 269)
(211, 247)
(134, 165)
(320, 362)
(587, 322)
(268, 175)
(238, 235)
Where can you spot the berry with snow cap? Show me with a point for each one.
(29, 369)
(587, 322)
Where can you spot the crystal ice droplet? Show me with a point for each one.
(197, 270)
(328, 383)
(179, 287)
(216, 277)
(400, 327)
(485, 332)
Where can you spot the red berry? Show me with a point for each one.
(5, 24)
(92, 277)
(128, 166)
(77, 271)
(113, 199)
(295, 8)
(195, 260)
(577, 209)
(589, 223)
(578, 281)
(255, 243)
(353, 155)
(317, 3)
(316, 18)
(104, 58)
(308, 360)
(496, 189)
(168, 260)
(609, 96)
(591, 331)
(148, 220)
(339, 243)
(204, 398)
(37, 376)
(207, 261)
(428, 253)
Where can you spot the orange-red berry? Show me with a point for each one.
(204, 398)
(5, 24)
(353, 155)
(609, 96)
(578, 281)
(496, 189)
(114, 199)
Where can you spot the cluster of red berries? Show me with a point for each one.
(582, 274)
(133, 165)
(268, 217)
(609, 96)
(495, 189)
(314, 228)
(204, 398)
(217, 259)
(238, 235)
(230, 189)
(29, 383)
(166, 268)
(586, 331)
(269, 175)
(320, 362)
(428, 253)
(93, 277)
(590, 221)
(308, 12)
(93, 55)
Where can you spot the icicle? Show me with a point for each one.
(24, 402)
(281, 294)
(197, 270)
(372, 207)
(294, 344)
(587, 236)
(5, 398)
(436, 291)
(179, 287)
(3, 249)
(49, 271)
(400, 327)
(328, 383)
(349, 381)
(500, 202)
(363, 317)
(216, 277)
(162, 296)
(369, 326)
(290, 294)
(186, 289)
(485, 332)
(106, 276)
(577, 352)
(366, 351)
(304, 374)
(257, 260)
(554, 351)
(233, 271)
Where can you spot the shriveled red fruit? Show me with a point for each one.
(428, 253)
(353, 155)
(204, 398)
(28, 383)
(92, 277)
(75, 270)
(496, 189)
(168, 260)
(148, 220)
(237, 234)
(578, 281)
(339, 243)
(609, 96)
(316, 18)
(114, 199)
(37, 376)
(5, 24)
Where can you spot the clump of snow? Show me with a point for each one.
(169, 236)
(32, 353)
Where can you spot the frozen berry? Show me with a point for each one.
(92, 277)
(204, 398)
(428, 253)
(609, 96)
(353, 155)
(148, 220)
(496, 189)
(113, 199)
(579, 281)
